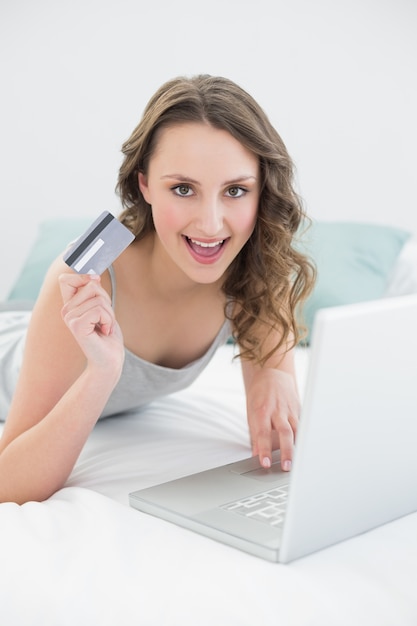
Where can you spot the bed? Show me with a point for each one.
(84, 557)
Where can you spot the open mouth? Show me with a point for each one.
(205, 249)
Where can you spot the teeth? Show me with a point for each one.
(206, 245)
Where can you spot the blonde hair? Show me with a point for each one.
(269, 278)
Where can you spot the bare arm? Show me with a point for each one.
(72, 361)
(273, 407)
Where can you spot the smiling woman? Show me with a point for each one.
(213, 218)
(206, 186)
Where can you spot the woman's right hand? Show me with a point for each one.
(72, 361)
(88, 314)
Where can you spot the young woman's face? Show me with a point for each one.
(203, 187)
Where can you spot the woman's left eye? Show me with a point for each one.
(235, 192)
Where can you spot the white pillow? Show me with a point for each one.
(403, 278)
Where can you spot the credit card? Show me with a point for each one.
(99, 246)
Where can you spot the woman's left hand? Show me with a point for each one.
(273, 409)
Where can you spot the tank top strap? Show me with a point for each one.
(113, 285)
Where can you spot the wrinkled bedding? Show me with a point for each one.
(84, 557)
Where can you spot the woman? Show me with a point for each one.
(206, 186)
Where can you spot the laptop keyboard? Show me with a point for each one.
(268, 506)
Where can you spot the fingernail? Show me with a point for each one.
(266, 462)
(286, 466)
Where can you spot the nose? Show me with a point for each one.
(209, 217)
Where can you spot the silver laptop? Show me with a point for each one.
(355, 463)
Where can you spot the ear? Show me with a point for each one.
(143, 186)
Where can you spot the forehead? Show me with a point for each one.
(196, 143)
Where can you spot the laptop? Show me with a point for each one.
(355, 461)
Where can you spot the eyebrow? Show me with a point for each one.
(234, 181)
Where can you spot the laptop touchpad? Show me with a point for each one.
(267, 475)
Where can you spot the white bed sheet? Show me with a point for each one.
(84, 557)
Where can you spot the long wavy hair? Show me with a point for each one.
(270, 278)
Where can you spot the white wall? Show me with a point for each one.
(337, 78)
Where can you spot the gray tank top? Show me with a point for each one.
(13, 327)
(141, 382)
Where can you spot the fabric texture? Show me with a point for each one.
(13, 326)
(354, 262)
(85, 558)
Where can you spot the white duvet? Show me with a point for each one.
(85, 558)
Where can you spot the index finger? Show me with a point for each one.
(286, 445)
(70, 283)
(263, 447)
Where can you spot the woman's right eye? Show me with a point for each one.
(182, 190)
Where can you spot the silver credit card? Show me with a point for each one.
(99, 246)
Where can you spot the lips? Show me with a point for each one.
(205, 251)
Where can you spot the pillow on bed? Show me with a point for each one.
(354, 262)
(403, 278)
(53, 237)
